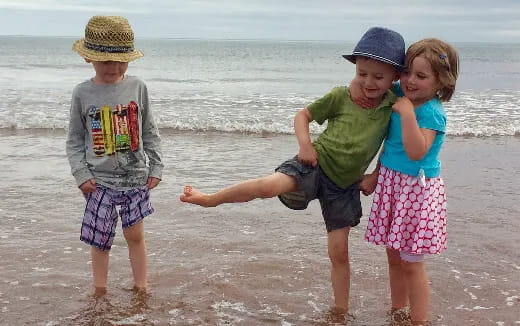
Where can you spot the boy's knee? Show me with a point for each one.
(274, 185)
(98, 251)
(266, 188)
(338, 254)
(134, 239)
(338, 246)
(134, 234)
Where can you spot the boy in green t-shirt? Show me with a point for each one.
(330, 168)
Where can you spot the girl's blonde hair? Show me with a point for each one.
(444, 61)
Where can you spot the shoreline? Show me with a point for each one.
(264, 134)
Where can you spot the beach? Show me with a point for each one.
(257, 263)
(225, 111)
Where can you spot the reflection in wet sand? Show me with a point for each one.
(254, 264)
(104, 310)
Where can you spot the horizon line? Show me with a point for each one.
(237, 39)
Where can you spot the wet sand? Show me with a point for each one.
(245, 264)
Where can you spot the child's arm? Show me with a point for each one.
(75, 147)
(151, 143)
(417, 141)
(368, 182)
(307, 154)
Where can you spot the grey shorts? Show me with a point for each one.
(341, 207)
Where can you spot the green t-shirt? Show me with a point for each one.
(353, 134)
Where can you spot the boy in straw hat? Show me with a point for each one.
(330, 168)
(111, 136)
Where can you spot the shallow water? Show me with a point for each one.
(245, 264)
(242, 86)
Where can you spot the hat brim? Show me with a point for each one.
(79, 47)
(352, 58)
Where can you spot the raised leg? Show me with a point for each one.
(265, 187)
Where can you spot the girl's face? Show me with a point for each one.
(419, 82)
(109, 72)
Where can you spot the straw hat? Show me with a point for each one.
(107, 38)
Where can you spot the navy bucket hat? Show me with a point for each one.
(380, 44)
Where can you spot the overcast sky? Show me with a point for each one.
(452, 20)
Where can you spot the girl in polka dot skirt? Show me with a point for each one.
(408, 213)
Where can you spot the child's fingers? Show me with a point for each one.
(152, 183)
(88, 189)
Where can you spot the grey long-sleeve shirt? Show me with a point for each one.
(104, 148)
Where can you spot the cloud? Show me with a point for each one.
(462, 20)
(53, 5)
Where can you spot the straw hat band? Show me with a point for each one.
(108, 48)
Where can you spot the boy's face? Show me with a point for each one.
(374, 77)
(109, 72)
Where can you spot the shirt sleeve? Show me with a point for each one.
(75, 144)
(325, 107)
(151, 138)
(431, 116)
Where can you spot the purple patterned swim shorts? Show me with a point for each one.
(100, 219)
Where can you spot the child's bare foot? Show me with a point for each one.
(196, 197)
(400, 316)
(140, 298)
(139, 289)
(337, 315)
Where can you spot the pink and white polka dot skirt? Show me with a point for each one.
(407, 216)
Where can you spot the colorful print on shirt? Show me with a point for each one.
(134, 125)
(120, 124)
(108, 129)
(114, 129)
(97, 131)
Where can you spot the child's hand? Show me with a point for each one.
(368, 183)
(152, 182)
(403, 106)
(88, 186)
(307, 155)
(358, 97)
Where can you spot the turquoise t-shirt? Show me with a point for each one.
(353, 135)
(430, 115)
